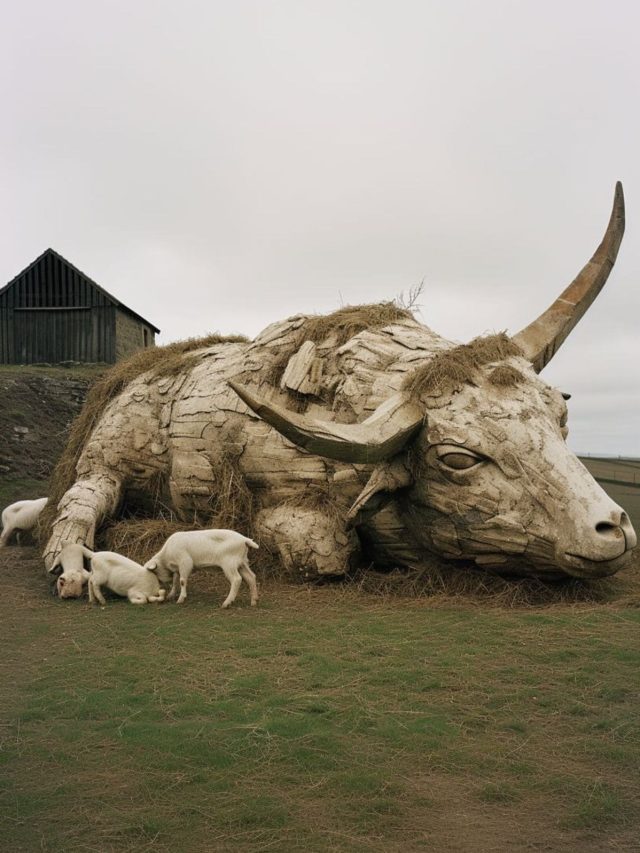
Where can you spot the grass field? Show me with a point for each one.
(326, 719)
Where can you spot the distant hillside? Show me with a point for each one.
(37, 406)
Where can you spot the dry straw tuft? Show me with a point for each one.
(230, 506)
(323, 497)
(471, 585)
(164, 361)
(339, 327)
(450, 369)
(505, 375)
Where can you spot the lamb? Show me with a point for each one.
(195, 549)
(20, 517)
(70, 571)
(119, 574)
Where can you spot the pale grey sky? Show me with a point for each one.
(220, 165)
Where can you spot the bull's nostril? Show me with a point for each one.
(606, 527)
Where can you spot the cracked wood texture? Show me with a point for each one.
(520, 504)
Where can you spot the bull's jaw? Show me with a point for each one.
(581, 567)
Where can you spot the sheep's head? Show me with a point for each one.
(69, 569)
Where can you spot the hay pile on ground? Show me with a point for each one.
(161, 362)
(230, 506)
(450, 369)
(471, 585)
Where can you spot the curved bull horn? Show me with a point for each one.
(380, 436)
(541, 339)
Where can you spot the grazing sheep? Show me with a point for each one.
(119, 574)
(196, 549)
(122, 576)
(70, 570)
(20, 517)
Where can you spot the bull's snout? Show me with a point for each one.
(603, 544)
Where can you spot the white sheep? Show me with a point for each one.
(195, 549)
(20, 517)
(69, 567)
(119, 574)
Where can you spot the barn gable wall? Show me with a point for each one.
(130, 335)
(52, 312)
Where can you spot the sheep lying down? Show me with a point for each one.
(119, 574)
(194, 549)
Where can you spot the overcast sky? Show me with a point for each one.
(220, 165)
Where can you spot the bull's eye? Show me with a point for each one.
(457, 458)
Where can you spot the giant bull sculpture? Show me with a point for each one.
(418, 445)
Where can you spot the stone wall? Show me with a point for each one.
(130, 335)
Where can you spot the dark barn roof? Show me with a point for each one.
(109, 296)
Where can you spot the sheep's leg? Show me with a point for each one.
(159, 597)
(97, 592)
(233, 576)
(175, 583)
(81, 511)
(92, 598)
(19, 537)
(184, 570)
(5, 536)
(250, 580)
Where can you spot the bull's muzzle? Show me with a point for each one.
(603, 548)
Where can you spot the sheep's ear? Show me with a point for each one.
(85, 574)
(56, 569)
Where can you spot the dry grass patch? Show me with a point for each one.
(338, 328)
(476, 587)
(450, 369)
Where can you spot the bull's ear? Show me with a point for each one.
(540, 340)
(385, 479)
(383, 434)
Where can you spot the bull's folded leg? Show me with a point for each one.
(309, 542)
(81, 511)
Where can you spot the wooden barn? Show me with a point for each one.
(52, 312)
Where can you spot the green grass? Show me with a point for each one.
(55, 371)
(322, 720)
